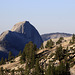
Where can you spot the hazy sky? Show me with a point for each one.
(46, 15)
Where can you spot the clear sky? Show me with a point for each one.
(46, 15)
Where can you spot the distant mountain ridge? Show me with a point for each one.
(54, 35)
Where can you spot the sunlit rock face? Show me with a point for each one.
(15, 39)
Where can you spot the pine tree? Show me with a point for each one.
(27, 70)
(70, 42)
(10, 55)
(5, 59)
(20, 53)
(49, 44)
(48, 72)
(53, 69)
(60, 40)
(67, 69)
(42, 47)
(28, 54)
(62, 69)
(73, 38)
(59, 53)
(37, 68)
(67, 48)
(2, 61)
(42, 70)
(23, 57)
(30, 49)
(1, 71)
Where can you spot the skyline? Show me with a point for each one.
(46, 16)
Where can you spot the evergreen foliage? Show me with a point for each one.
(59, 53)
(33, 67)
(49, 44)
(20, 53)
(30, 49)
(2, 61)
(6, 60)
(28, 54)
(60, 40)
(42, 47)
(73, 39)
(70, 42)
(37, 67)
(62, 69)
(27, 70)
(23, 57)
(10, 55)
(1, 71)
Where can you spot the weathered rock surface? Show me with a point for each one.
(15, 39)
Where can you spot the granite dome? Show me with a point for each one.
(16, 38)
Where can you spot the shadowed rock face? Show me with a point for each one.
(20, 34)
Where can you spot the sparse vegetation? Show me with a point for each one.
(57, 63)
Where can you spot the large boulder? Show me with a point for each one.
(15, 39)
